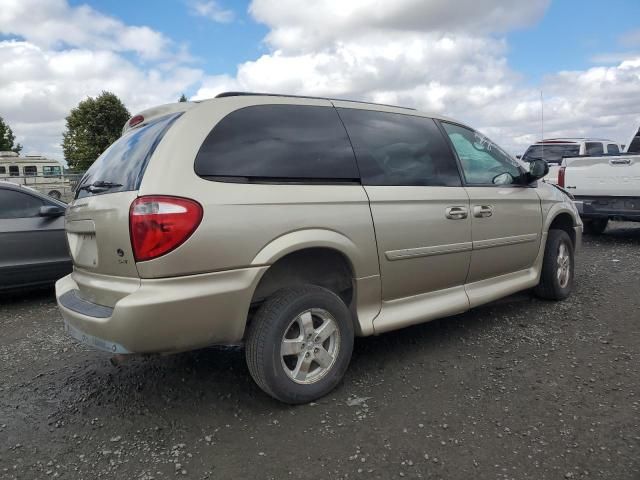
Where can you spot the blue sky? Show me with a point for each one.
(218, 47)
(570, 35)
(481, 61)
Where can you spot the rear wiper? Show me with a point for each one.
(99, 186)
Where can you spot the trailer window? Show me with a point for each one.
(51, 171)
(14, 171)
(30, 170)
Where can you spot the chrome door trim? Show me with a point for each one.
(428, 251)
(500, 242)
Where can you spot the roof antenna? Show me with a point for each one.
(542, 123)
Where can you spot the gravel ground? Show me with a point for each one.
(520, 389)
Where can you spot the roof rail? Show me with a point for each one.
(241, 94)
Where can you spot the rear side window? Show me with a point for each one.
(594, 148)
(30, 170)
(278, 143)
(125, 160)
(613, 148)
(3, 170)
(397, 149)
(15, 204)
(634, 146)
(551, 153)
(14, 171)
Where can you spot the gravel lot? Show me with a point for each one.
(518, 389)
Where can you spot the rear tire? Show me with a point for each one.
(596, 226)
(556, 279)
(55, 194)
(299, 343)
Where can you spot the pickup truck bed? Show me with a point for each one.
(604, 188)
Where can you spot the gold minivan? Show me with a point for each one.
(292, 224)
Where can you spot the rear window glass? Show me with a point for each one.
(634, 146)
(124, 161)
(278, 143)
(594, 148)
(551, 153)
(613, 148)
(397, 149)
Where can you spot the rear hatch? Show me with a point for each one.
(610, 176)
(97, 221)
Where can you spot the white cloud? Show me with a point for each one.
(68, 53)
(438, 56)
(54, 23)
(441, 56)
(318, 24)
(39, 87)
(211, 10)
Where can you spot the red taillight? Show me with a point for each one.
(136, 120)
(561, 176)
(159, 224)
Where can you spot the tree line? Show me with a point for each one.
(90, 128)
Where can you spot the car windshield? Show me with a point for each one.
(551, 153)
(121, 166)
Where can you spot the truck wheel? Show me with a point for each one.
(55, 194)
(595, 226)
(556, 279)
(299, 343)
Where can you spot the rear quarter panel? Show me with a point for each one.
(252, 224)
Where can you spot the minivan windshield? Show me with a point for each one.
(121, 166)
(551, 153)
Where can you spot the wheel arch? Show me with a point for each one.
(563, 219)
(307, 239)
(315, 256)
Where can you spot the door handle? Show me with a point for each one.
(482, 211)
(620, 161)
(456, 213)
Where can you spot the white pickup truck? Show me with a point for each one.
(605, 187)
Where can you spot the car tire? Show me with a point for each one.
(285, 338)
(55, 194)
(596, 226)
(556, 279)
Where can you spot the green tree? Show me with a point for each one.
(182, 98)
(7, 139)
(91, 127)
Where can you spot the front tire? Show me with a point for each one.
(556, 279)
(596, 226)
(299, 344)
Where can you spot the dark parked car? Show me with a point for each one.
(33, 247)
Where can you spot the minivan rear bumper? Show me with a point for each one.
(163, 315)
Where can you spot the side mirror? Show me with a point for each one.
(538, 169)
(519, 157)
(503, 179)
(50, 211)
